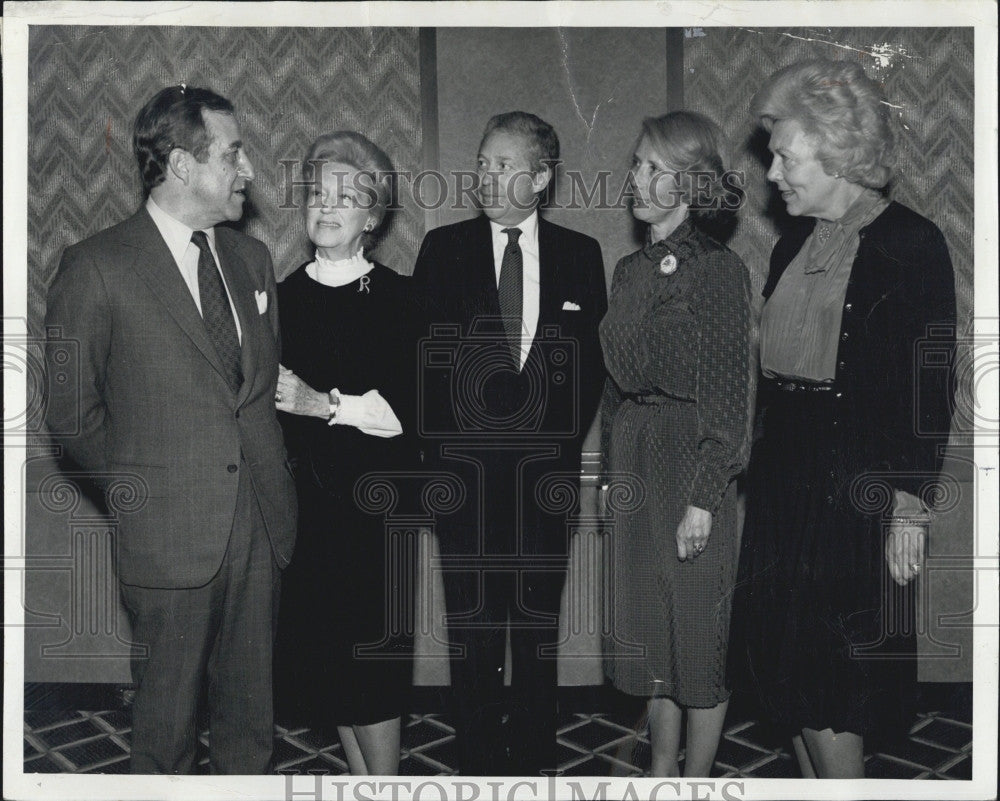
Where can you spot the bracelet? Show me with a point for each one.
(334, 406)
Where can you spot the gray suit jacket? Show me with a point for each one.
(152, 413)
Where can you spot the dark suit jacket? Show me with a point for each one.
(469, 391)
(152, 406)
(897, 338)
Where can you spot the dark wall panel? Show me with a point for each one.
(594, 85)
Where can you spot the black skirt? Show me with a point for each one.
(822, 634)
(344, 652)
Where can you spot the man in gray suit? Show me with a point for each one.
(177, 327)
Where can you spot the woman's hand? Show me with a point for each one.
(693, 532)
(295, 396)
(904, 551)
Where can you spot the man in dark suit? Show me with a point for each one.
(511, 378)
(177, 327)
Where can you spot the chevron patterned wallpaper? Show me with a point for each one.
(928, 77)
(288, 85)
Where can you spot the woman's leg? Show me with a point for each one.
(355, 759)
(704, 728)
(664, 736)
(379, 744)
(802, 755)
(835, 755)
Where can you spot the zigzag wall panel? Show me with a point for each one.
(288, 85)
(928, 77)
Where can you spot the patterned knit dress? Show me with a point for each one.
(675, 429)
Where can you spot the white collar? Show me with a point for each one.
(528, 227)
(340, 272)
(176, 234)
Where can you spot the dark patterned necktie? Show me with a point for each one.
(511, 291)
(217, 313)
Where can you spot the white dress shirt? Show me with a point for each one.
(530, 286)
(369, 413)
(185, 252)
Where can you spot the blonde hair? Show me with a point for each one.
(692, 143)
(358, 151)
(841, 109)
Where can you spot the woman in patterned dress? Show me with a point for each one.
(674, 428)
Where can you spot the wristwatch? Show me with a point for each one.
(334, 406)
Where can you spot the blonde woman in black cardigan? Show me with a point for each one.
(852, 427)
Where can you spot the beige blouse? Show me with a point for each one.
(800, 323)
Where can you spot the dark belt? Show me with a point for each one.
(788, 385)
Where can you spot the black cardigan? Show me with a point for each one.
(897, 337)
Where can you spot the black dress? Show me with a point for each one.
(823, 635)
(344, 647)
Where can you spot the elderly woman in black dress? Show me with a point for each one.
(674, 426)
(851, 426)
(347, 387)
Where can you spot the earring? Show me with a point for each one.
(368, 227)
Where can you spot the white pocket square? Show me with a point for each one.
(570, 306)
(261, 298)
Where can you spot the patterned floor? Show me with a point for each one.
(609, 742)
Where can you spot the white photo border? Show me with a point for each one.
(19, 15)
